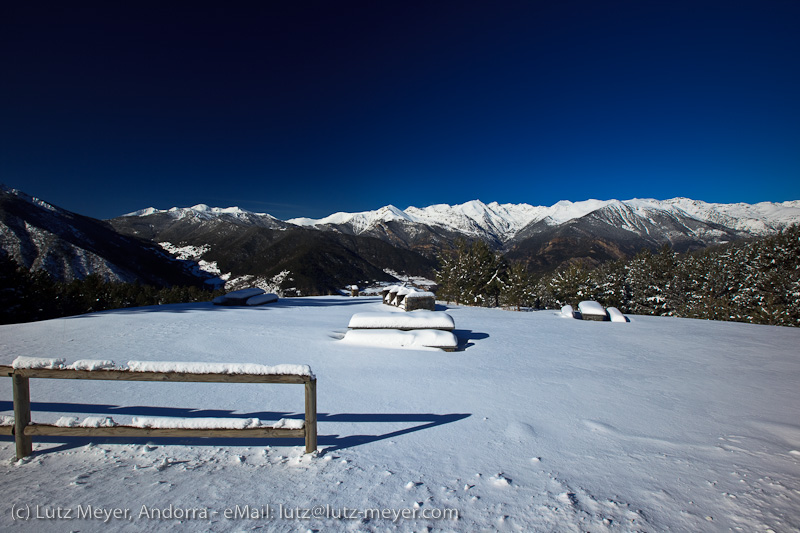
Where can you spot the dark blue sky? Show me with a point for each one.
(306, 108)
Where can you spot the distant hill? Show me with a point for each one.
(41, 236)
(247, 248)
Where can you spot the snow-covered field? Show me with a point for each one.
(539, 423)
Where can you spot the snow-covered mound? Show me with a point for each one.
(402, 320)
(538, 424)
(396, 338)
(592, 309)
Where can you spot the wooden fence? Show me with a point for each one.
(23, 429)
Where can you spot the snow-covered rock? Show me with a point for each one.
(239, 297)
(568, 311)
(616, 315)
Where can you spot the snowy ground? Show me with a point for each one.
(539, 423)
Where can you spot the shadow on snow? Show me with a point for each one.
(326, 442)
(285, 303)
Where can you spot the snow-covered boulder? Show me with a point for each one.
(615, 315)
(261, 299)
(568, 311)
(239, 297)
(396, 338)
(591, 310)
(420, 319)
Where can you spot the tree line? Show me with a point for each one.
(756, 281)
(26, 296)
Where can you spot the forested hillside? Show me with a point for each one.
(754, 281)
(27, 296)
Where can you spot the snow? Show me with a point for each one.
(589, 307)
(38, 362)
(251, 296)
(419, 294)
(504, 221)
(536, 424)
(568, 311)
(616, 315)
(186, 367)
(88, 422)
(159, 422)
(262, 299)
(92, 364)
(402, 320)
(244, 294)
(396, 338)
(211, 423)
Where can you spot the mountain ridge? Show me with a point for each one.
(317, 256)
(502, 222)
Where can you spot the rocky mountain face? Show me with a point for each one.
(248, 249)
(40, 236)
(305, 256)
(546, 237)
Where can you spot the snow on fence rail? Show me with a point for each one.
(24, 368)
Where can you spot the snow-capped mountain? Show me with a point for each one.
(503, 222)
(204, 212)
(343, 248)
(40, 236)
(542, 236)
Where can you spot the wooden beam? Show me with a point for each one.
(22, 416)
(311, 416)
(23, 429)
(131, 431)
(127, 375)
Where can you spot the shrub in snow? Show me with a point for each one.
(568, 311)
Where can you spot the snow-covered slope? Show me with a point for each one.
(41, 236)
(204, 212)
(757, 219)
(502, 222)
(540, 423)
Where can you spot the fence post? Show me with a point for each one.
(22, 415)
(311, 416)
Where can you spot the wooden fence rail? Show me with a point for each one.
(23, 429)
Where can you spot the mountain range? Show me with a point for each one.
(317, 256)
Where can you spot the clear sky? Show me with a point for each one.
(304, 108)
